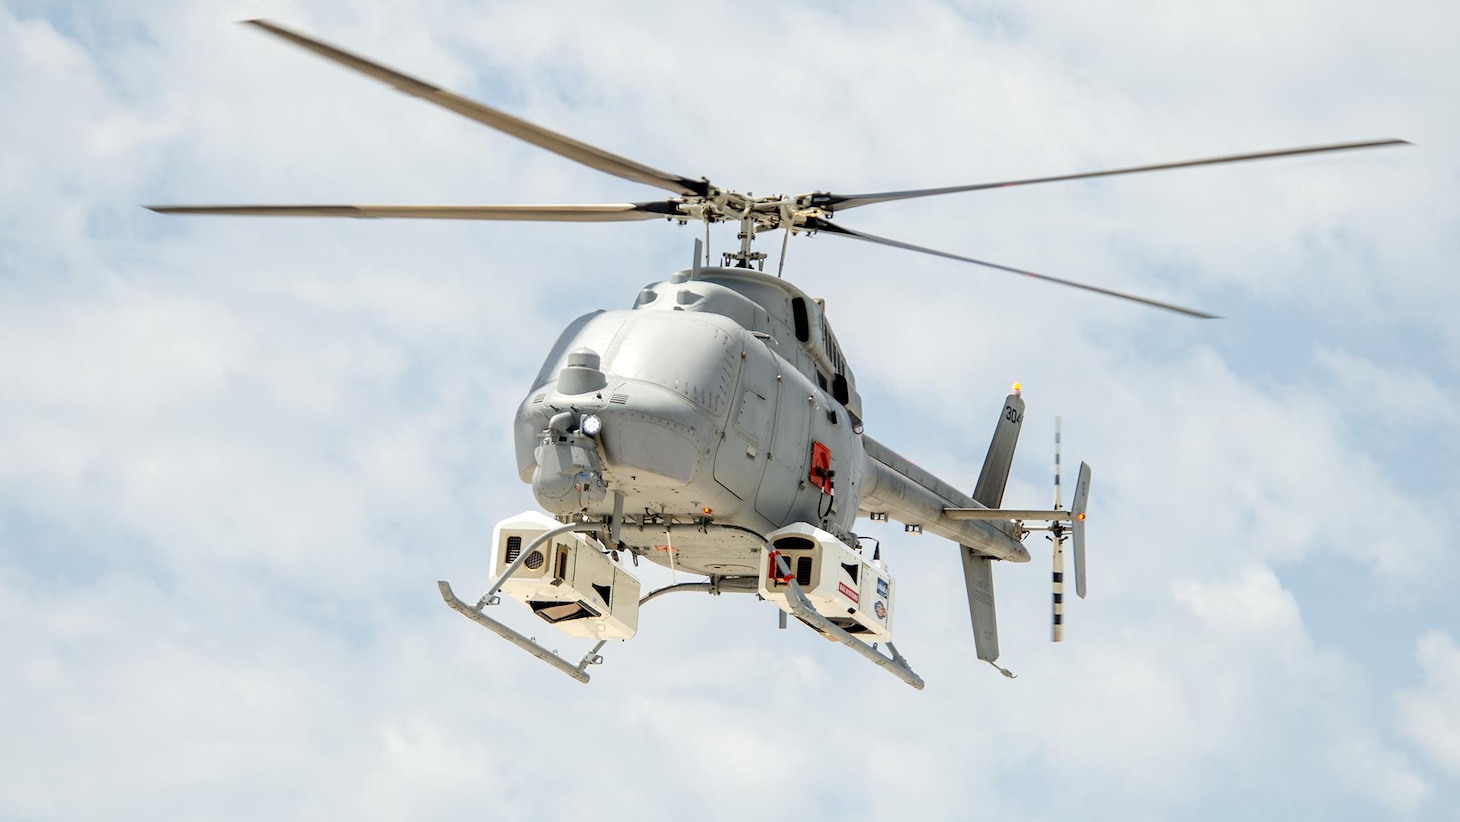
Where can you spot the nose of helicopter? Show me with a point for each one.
(645, 395)
(636, 437)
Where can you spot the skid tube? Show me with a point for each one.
(526, 643)
(801, 608)
(593, 657)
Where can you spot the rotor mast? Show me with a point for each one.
(744, 257)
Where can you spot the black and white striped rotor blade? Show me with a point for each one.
(819, 224)
(486, 115)
(597, 213)
(840, 202)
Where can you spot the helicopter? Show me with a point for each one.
(715, 428)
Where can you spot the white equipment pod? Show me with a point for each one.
(855, 593)
(570, 582)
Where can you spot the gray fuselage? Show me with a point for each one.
(714, 391)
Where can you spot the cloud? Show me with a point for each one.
(1387, 777)
(1392, 396)
(1430, 715)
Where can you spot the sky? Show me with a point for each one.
(236, 455)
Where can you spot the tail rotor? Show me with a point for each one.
(1057, 540)
(1059, 532)
(1060, 524)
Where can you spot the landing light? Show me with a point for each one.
(591, 425)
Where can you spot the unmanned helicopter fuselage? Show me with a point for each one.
(721, 397)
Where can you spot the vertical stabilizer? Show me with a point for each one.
(978, 576)
(995, 474)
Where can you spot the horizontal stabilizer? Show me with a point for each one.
(1008, 514)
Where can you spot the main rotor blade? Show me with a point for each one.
(840, 202)
(609, 212)
(818, 224)
(521, 129)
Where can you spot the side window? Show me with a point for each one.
(801, 320)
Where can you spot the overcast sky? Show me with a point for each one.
(235, 455)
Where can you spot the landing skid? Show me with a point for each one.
(800, 607)
(896, 664)
(527, 644)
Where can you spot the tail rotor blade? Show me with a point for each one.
(1077, 507)
(1057, 602)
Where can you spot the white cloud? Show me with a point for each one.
(1381, 774)
(1430, 714)
(1392, 396)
